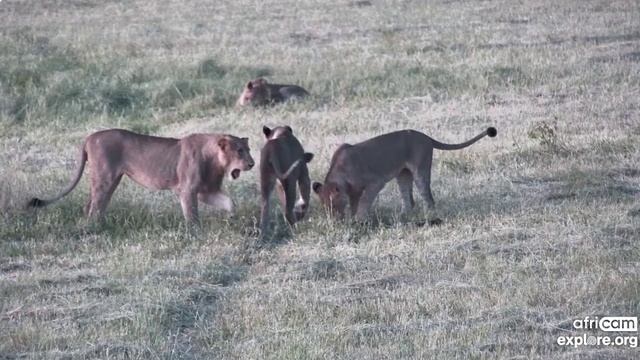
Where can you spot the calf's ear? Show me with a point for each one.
(249, 85)
(289, 128)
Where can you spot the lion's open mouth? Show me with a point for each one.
(235, 173)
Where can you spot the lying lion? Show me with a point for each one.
(193, 167)
(358, 172)
(283, 159)
(259, 92)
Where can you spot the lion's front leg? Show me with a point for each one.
(366, 200)
(218, 200)
(189, 204)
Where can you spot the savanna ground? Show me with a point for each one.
(541, 224)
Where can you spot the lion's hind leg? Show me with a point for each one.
(287, 196)
(302, 205)
(405, 184)
(422, 179)
(102, 188)
(267, 183)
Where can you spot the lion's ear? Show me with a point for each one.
(249, 85)
(307, 157)
(289, 128)
(223, 143)
(266, 131)
(317, 187)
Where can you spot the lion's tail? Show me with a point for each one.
(35, 202)
(306, 157)
(491, 132)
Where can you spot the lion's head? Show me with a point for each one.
(256, 92)
(332, 196)
(235, 155)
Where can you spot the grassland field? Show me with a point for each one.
(541, 225)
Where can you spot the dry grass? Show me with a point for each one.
(541, 224)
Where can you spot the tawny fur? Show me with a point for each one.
(358, 172)
(259, 92)
(193, 167)
(283, 159)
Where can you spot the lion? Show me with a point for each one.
(259, 92)
(358, 172)
(282, 158)
(193, 167)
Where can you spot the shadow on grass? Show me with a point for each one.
(333, 231)
(279, 232)
(124, 222)
(575, 186)
(582, 187)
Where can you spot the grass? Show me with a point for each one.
(540, 224)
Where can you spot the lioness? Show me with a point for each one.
(259, 92)
(358, 172)
(193, 167)
(284, 159)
